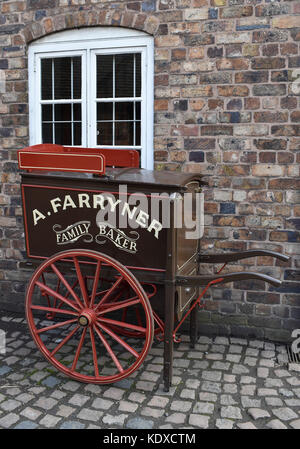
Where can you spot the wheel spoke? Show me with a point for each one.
(54, 326)
(109, 350)
(106, 296)
(78, 349)
(64, 341)
(95, 284)
(95, 360)
(66, 284)
(119, 340)
(56, 295)
(52, 309)
(116, 306)
(81, 282)
(121, 324)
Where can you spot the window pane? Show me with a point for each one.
(47, 133)
(104, 111)
(138, 76)
(62, 74)
(77, 133)
(63, 133)
(104, 133)
(46, 82)
(105, 76)
(138, 111)
(138, 133)
(124, 111)
(77, 112)
(124, 133)
(62, 78)
(47, 113)
(62, 112)
(124, 75)
(77, 77)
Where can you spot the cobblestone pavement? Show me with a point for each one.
(224, 382)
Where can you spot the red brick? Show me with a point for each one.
(269, 117)
(161, 105)
(210, 208)
(267, 157)
(228, 220)
(232, 64)
(287, 130)
(284, 184)
(178, 53)
(288, 102)
(214, 103)
(270, 50)
(285, 158)
(289, 48)
(268, 63)
(252, 103)
(184, 130)
(295, 116)
(236, 11)
(233, 91)
(216, 130)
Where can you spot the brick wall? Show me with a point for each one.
(225, 105)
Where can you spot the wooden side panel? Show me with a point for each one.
(59, 218)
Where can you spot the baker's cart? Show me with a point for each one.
(120, 259)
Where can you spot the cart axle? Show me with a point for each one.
(87, 317)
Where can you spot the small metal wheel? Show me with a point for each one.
(75, 306)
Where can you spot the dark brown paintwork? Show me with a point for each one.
(39, 189)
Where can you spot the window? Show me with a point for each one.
(93, 88)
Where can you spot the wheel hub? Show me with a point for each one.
(87, 317)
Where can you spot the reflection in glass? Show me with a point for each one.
(124, 133)
(46, 82)
(47, 111)
(124, 111)
(105, 76)
(62, 78)
(63, 133)
(104, 133)
(104, 111)
(124, 75)
(62, 112)
(47, 136)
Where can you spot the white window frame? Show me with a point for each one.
(88, 43)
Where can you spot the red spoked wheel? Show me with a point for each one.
(75, 306)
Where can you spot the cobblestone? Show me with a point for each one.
(276, 424)
(224, 424)
(89, 415)
(235, 387)
(26, 425)
(231, 412)
(78, 400)
(257, 413)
